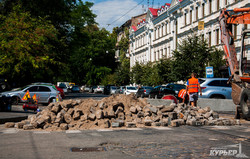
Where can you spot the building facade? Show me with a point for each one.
(167, 26)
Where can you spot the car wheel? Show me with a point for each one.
(50, 100)
(141, 95)
(15, 100)
(217, 96)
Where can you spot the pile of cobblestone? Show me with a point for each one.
(118, 111)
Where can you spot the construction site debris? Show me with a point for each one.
(118, 111)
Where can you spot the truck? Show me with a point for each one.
(239, 68)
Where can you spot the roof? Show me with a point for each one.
(168, 4)
(154, 12)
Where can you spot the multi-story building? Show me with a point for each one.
(164, 27)
(128, 24)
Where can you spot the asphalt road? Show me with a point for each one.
(148, 142)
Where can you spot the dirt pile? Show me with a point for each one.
(118, 111)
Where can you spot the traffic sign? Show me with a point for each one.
(210, 72)
(26, 96)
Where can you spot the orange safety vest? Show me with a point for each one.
(193, 84)
(182, 93)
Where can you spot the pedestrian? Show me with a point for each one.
(183, 96)
(193, 87)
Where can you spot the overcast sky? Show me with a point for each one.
(111, 11)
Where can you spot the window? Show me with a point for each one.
(185, 19)
(162, 29)
(191, 16)
(225, 2)
(224, 83)
(218, 5)
(202, 37)
(209, 39)
(32, 89)
(217, 37)
(210, 6)
(155, 34)
(203, 10)
(166, 28)
(43, 89)
(214, 83)
(159, 31)
(197, 12)
(235, 32)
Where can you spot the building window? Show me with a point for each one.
(159, 31)
(191, 17)
(218, 5)
(209, 39)
(166, 28)
(162, 29)
(245, 26)
(185, 19)
(203, 10)
(217, 37)
(202, 37)
(155, 34)
(210, 6)
(225, 2)
(235, 32)
(197, 13)
(165, 52)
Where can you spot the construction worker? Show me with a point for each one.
(183, 96)
(193, 87)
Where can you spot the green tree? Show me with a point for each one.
(26, 51)
(192, 55)
(217, 61)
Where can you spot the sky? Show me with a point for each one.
(113, 13)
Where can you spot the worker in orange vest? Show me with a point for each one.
(183, 95)
(193, 87)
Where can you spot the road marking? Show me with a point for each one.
(73, 131)
(163, 128)
(212, 139)
(41, 132)
(104, 130)
(220, 127)
(95, 134)
(10, 131)
(134, 129)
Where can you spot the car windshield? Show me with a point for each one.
(113, 87)
(62, 85)
(131, 88)
(179, 87)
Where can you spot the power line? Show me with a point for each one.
(124, 14)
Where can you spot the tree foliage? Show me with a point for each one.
(26, 51)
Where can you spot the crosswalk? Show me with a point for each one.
(92, 133)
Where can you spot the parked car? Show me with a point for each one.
(176, 87)
(121, 89)
(86, 89)
(130, 90)
(144, 91)
(215, 88)
(45, 93)
(113, 90)
(159, 91)
(92, 89)
(107, 89)
(75, 88)
(64, 87)
(99, 89)
(61, 92)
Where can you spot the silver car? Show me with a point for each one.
(215, 88)
(45, 93)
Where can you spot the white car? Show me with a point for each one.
(99, 89)
(130, 90)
